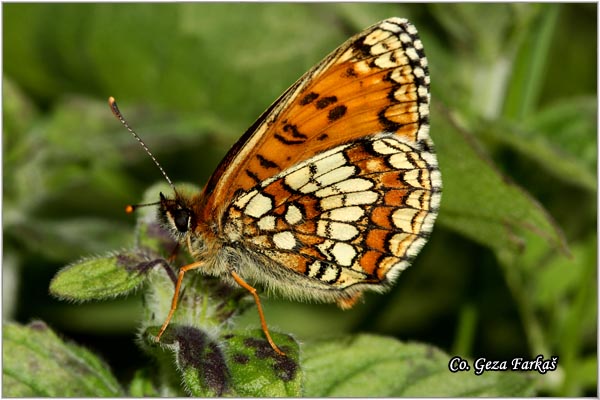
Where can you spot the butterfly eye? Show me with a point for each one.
(181, 218)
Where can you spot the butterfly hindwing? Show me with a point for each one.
(351, 215)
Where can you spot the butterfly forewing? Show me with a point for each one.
(377, 81)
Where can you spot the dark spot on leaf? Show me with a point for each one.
(215, 371)
(285, 368)
(309, 98)
(192, 342)
(337, 113)
(262, 348)
(196, 350)
(326, 101)
(241, 358)
(228, 336)
(127, 261)
(38, 325)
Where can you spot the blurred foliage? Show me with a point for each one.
(36, 362)
(510, 269)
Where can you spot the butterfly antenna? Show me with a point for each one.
(130, 208)
(115, 110)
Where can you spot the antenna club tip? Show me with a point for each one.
(129, 209)
(112, 103)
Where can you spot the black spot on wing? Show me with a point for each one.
(337, 113)
(350, 73)
(326, 101)
(287, 141)
(266, 163)
(388, 126)
(293, 129)
(252, 176)
(309, 98)
(361, 49)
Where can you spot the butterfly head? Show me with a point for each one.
(177, 215)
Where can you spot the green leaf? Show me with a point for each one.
(570, 123)
(142, 385)
(473, 25)
(257, 371)
(172, 75)
(241, 364)
(101, 277)
(561, 139)
(531, 64)
(37, 363)
(57, 239)
(556, 280)
(19, 113)
(372, 366)
(478, 201)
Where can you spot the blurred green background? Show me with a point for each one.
(510, 269)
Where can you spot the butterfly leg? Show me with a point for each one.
(261, 315)
(182, 272)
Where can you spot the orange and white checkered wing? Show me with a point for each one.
(351, 216)
(336, 187)
(333, 190)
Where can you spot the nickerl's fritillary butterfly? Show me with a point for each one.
(333, 190)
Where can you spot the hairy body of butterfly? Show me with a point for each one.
(335, 188)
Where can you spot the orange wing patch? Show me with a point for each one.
(375, 82)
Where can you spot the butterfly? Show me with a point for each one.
(332, 191)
